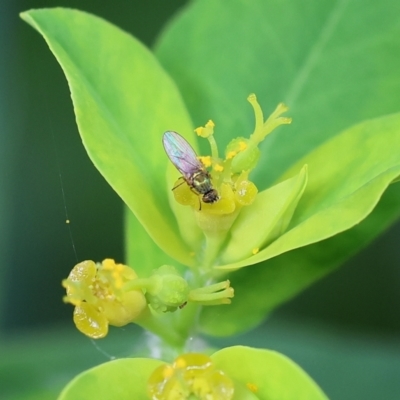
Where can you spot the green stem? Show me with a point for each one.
(259, 117)
(222, 297)
(160, 328)
(216, 294)
(212, 248)
(185, 321)
(211, 288)
(139, 283)
(214, 147)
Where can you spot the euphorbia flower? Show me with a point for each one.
(230, 177)
(96, 291)
(112, 294)
(190, 375)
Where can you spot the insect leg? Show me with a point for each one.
(183, 180)
(198, 196)
(179, 184)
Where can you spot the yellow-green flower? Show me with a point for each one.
(230, 175)
(112, 294)
(96, 292)
(190, 374)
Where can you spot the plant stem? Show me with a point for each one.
(160, 327)
(186, 320)
(214, 242)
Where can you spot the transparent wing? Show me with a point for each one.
(181, 154)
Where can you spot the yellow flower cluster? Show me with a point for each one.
(239, 192)
(190, 375)
(96, 291)
(229, 176)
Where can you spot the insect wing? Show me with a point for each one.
(181, 154)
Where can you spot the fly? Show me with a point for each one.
(182, 155)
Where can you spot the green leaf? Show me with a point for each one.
(338, 196)
(119, 379)
(333, 63)
(274, 376)
(264, 286)
(123, 101)
(276, 206)
(138, 246)
(341, 192)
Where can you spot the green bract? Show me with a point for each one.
(269, 375)
(112, 86)
(119, 379)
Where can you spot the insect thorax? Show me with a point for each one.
(201, 182)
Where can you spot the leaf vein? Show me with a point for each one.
(314, 54)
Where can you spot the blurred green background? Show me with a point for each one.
(344, 331)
